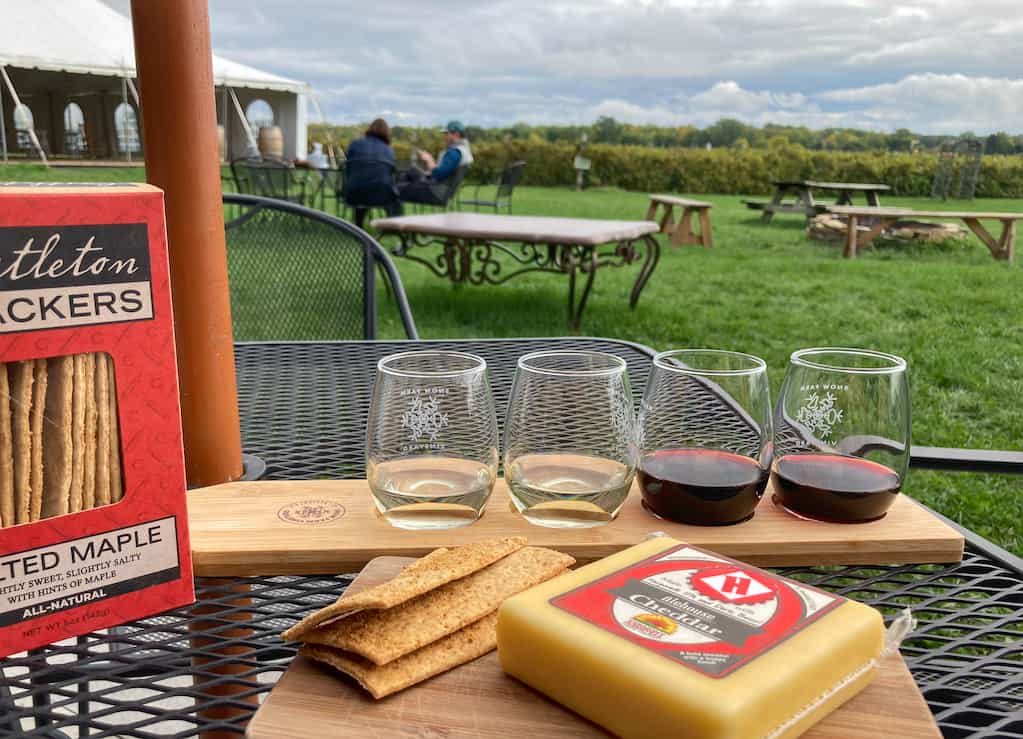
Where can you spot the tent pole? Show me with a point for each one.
(3, 128)
(17, 104)
(227, 124)
(175, 72)
(124, 123)
(133, 90)
(253, 146)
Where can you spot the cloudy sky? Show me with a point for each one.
(941, 66)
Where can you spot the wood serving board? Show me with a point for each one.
(331, 526)
(478, 701)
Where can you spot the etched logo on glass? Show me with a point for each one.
(424, 419)
(819, 414)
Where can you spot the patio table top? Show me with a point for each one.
(303, 409)
(528, 229)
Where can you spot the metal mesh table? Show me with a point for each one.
(303, 410)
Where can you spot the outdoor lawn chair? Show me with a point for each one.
(333, 188)
(298, 274)
(269, 178)
(505, 187)
(446, 192)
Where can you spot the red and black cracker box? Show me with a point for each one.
(93, 527)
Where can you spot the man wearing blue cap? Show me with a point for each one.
(420, 188)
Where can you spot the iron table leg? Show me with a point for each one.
(653, 255)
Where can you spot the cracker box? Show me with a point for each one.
(93, 529)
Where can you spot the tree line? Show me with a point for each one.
(727, 133)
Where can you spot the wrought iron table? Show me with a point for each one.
(475, 249)
(303, 406)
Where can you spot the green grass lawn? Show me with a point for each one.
(950, 310)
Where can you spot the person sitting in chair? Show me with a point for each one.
(429, 187)
(369, 173)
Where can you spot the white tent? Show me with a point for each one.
(72, 63)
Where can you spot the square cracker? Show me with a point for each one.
(36, 443)
(116, 484)
(7, 517)
(20, 380)
(385, 635)
(89, 456)
(102, 431)
(57, 437)
(76, 496)
(437, 568)
(463, 646)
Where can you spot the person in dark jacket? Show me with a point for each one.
(429, 187)
(369, 173)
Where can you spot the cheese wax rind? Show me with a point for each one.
(697, 659)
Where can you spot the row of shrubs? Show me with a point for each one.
(730, 171)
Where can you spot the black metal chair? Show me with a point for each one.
(505, 185)
(448, 190)
(298, 274)
(269, 178)
(333, 188)
(444, 194)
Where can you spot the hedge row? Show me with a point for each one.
(730, 171)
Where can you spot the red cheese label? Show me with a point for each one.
(707, 612)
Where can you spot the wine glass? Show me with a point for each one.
(431, 440)
(705, 436)
(568, 457)
(842, 434)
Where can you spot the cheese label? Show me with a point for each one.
(707, 612)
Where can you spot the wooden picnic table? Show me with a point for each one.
(804, 201)
(682, 232)
(1002, 248)
(476, 248)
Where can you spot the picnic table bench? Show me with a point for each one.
(682, 232)
(804, 202)
(1002, 248)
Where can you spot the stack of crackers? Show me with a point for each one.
(438, 613)
(59, 439)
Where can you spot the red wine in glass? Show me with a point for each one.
(707, 487)
(834, 487)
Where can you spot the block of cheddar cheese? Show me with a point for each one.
(665, 639)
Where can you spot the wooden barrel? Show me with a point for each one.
(221, 143)
(271, 141)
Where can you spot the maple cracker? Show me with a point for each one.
(437, 568)
(387, 634)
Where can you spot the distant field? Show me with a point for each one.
(951, 310)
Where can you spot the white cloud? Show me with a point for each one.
(930, 65)
(944, 103)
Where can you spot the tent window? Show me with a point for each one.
(74, 130)
(127, 127)
(23, 119)
(259, 114)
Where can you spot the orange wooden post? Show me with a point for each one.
(179, 119)
(175, 70)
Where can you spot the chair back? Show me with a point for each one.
(298, 274)
(509, 179)
(448, 189)
(269, 178)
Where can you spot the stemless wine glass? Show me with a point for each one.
(568, 459)
(842, 434)
(705, 436)
(431, 440)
